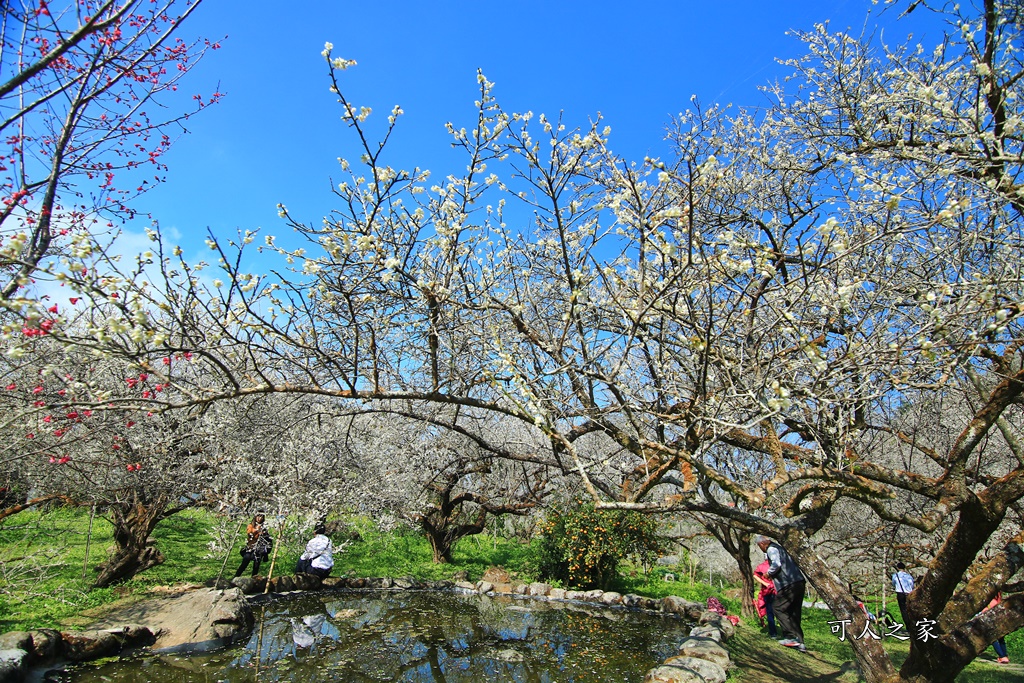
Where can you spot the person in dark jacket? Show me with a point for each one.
(790, 586)
(257, 545)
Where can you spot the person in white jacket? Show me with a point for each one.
(319, 556)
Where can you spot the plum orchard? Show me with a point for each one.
(749, 329)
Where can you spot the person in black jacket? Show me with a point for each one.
(790, 586)
(257, 545)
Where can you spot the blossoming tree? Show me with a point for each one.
(82, 95)
(746, 327)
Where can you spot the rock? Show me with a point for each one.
(503, 588)
(406, 583)
(707, 632)
(611, 598)
(13, 664)
(593, 596)
(573, 595)
(539, 589)
(496, 575)
(307, 582)
(81, 646)
(557, 594)
(705, 648)
(632, 600)
(334, 582)
(357, 583)
(441, 585)
(484, 586)
(465, 585)
(716, 620)
(194, 621)
(16, 640)
(677, 605)
(47, 643)
(282, 584)
(249, 586)
(386, 582)
(709, 672)
(461, 575)
(672, 674)
(521, 589)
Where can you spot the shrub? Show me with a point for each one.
(582, 547)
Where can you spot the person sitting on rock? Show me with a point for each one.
(318, 559)
(257, 545)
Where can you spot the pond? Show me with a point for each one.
(417, 637)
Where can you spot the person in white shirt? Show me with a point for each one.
(319, 556)
(903, 584)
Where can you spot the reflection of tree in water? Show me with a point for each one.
(429, 637)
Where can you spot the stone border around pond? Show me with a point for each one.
(701, 659)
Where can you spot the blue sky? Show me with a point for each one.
(277, 134)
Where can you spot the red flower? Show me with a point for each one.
(53, 459)
(52, 309)
(30, 435)
(73, 300)
(63, 460)
(48, 419)
(62, 392)
(11, 387)
(72, 415)
(167, 361)
(37, 390)
(39, 404)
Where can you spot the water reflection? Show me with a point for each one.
(419, 637)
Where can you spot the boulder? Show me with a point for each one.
(716, 620)
(503, 588)
(709, 672)
(13, 664)
(461, 575)
(611, 598)
(47, 644)
(386, 582)
(592, 596)
(705, 648)
(282, 584)
(573, 595)
(707, 632)
(557, 594)
(193, 621)
(16, 640)
(676, 605)
(484, 586)
(307, 582)
(406, 583)
(672, 674)
(81, 646)
(465, 585)
(539, 589)
(520, 589)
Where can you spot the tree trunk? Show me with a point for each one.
(133, 524)
(440, 544)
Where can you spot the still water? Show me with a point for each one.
(417, 637)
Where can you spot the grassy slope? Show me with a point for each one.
(41, 585)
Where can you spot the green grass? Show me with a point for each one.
(42, 555)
